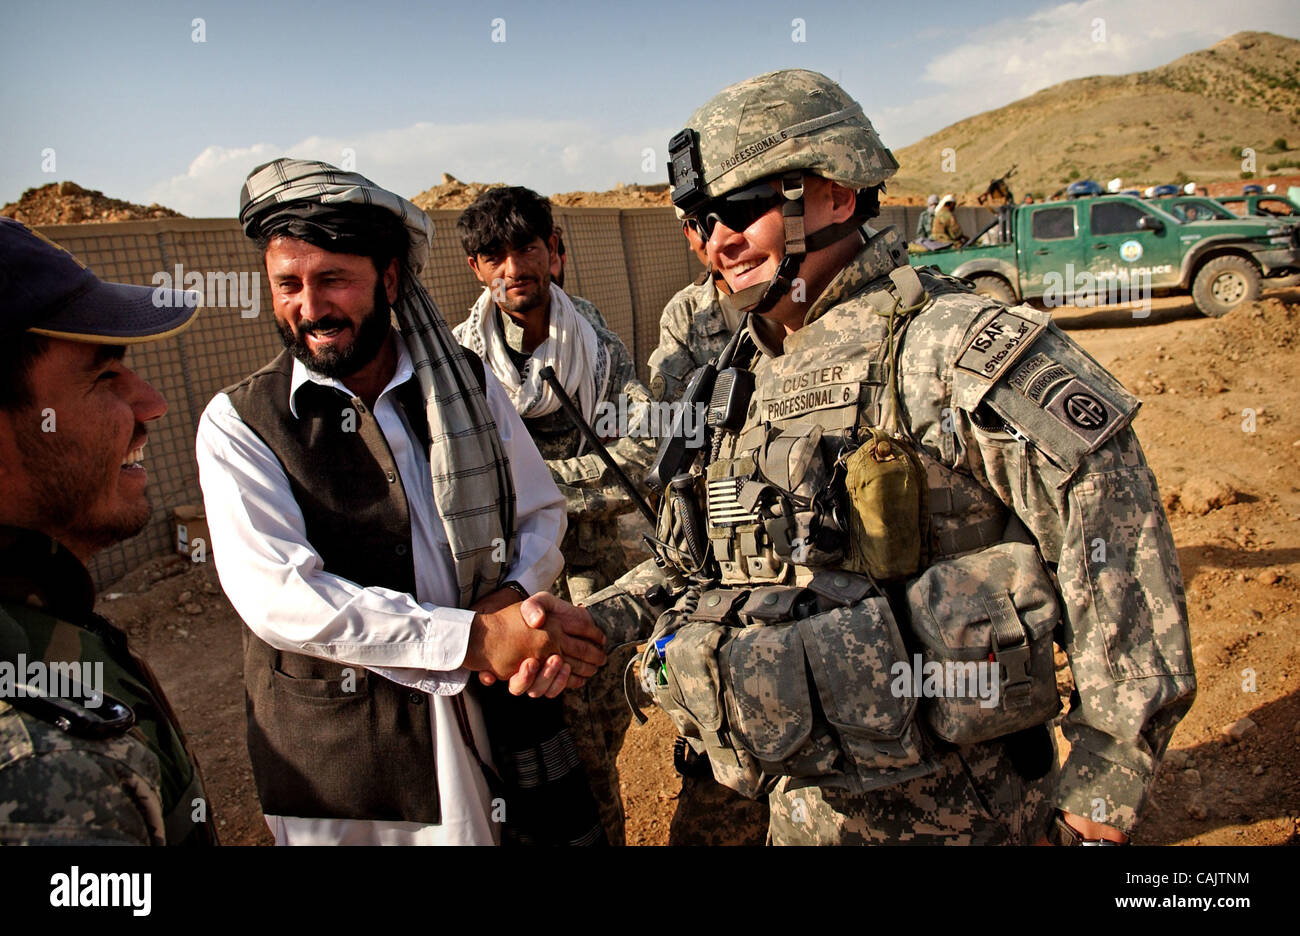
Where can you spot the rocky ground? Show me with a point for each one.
(1219, 424)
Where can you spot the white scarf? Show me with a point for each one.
(571, 347)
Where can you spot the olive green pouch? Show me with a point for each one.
(885, 484)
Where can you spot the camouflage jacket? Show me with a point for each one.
(691, 331)
(1013, 422)
(594, 498)
(133, 786)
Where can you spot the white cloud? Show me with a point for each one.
(210, 188)
(1013, 57)
(549, 156)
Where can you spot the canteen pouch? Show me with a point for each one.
(885, 483)
(984, 622)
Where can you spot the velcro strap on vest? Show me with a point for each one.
(977, 535)
(1010, 646)
(772, 604)
(842, 588)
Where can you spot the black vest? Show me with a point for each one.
(329, 741)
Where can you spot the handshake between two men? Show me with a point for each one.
(543, 645)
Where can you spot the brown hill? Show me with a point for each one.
(1184, 121)
(69, 203)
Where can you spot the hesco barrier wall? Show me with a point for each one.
(629, 262)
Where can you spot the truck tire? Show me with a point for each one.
(995, 287)
(1224, 283)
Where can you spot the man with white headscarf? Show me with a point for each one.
(521, 323)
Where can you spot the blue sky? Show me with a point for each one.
(572, 98)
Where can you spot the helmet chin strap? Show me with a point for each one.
(761, 297)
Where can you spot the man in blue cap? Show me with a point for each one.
(92, 752)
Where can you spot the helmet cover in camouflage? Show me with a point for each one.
(783, 121)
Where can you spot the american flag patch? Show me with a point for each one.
(724, 503)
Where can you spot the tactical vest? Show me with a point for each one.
(809, 406)
(326, 740)
(773, 496)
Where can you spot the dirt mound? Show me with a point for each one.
(69, 203)
(1200, 495)
(1256, 338)
(621, 196)
(453, 194)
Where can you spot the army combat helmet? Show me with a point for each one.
(784, 125)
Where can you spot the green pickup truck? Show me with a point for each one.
(1119, 248)
(1263, 206)
(1194, 208)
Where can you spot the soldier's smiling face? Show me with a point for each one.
(750, 257)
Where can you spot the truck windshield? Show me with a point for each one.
(1200, 209)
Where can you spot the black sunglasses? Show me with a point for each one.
(737, 210)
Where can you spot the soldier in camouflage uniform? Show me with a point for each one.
(90, 751)
(500, 232)
(694, 327)
(923, 481)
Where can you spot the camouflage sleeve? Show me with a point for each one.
(591, 489)
(1102, 528)
(621, 610)
(672, 362)
(588, 310)
(60, 790)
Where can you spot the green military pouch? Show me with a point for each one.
(984, 622)
(885, 484)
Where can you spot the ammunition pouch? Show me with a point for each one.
(732, 684)
(804, 521)
(984, 622)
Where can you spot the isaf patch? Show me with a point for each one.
(1081, 410)
(995, 346)
(1037, 376)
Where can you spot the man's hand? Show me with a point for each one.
(539, 657)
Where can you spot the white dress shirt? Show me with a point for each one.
(275, 581)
